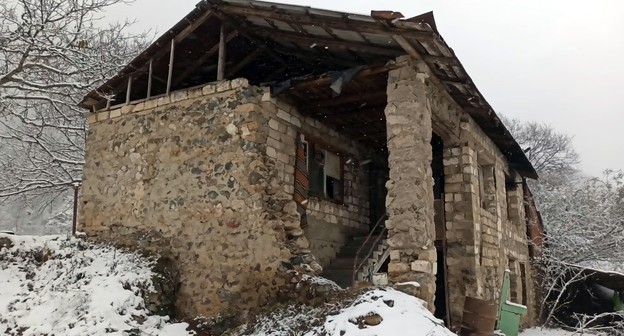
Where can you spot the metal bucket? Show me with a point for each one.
(479, 317)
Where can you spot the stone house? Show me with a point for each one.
(255, 136)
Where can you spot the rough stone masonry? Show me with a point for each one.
(205, 177)
(188, 177)
(483, 211)
(409, 203)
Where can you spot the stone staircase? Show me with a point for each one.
(373, 252)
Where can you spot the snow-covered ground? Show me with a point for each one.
(396, 312)
(552, 332)
(53, 285)
(377, 312)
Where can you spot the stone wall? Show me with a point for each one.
(206, 176)
(329, 224)
(483, 235)
(190, 176)
(411, 231)
(462, 227)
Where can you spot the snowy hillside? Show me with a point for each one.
(23, 217)
(53, 285)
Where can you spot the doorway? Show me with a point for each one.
(437, 168)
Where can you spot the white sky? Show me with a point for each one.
(556, 61)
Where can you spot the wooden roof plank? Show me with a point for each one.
(325, 22)
(314, 41)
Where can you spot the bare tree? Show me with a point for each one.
(51, 53)
(584, 220)
(547, 149)
(583, 217)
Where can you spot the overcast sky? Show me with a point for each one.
(555, 61)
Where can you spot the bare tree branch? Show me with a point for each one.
(51, 53)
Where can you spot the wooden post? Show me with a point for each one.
(149, 80)
(221, 64)
(129, 89)
(170, 66)
(75, 214)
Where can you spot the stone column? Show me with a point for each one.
(462, 213)
(411, 231)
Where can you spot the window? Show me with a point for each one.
(514, 281)
(487, 187)
(325, 171)
(481, 186)
(510, 192)
(524, 280)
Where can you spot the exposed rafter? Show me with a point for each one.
(201, 60)
(246, 60)
(325, 80)
(321, 42)
(165, 49)
(349, 99)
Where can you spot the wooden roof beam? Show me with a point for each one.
(358, 97)
(165, 49)
(323, 42)
(246, 60)
(325, 80)
(201, 60)
(444, 60)
(407, 46)
(325, 22)
(316, 57)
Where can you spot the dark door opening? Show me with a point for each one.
(437, 168)
(440, 296)
(378, 176)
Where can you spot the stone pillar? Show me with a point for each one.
(411, 231)
(462, 213)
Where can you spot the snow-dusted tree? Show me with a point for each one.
(584, 221)
(51, 53)
(583, 216)
(547, 149)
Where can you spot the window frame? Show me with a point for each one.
(312, 146)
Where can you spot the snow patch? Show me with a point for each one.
(409, 283)
(318, 281)
(54, 285)
(396, 312)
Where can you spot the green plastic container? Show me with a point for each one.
(510, 313)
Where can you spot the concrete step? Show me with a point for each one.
(340, 269)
